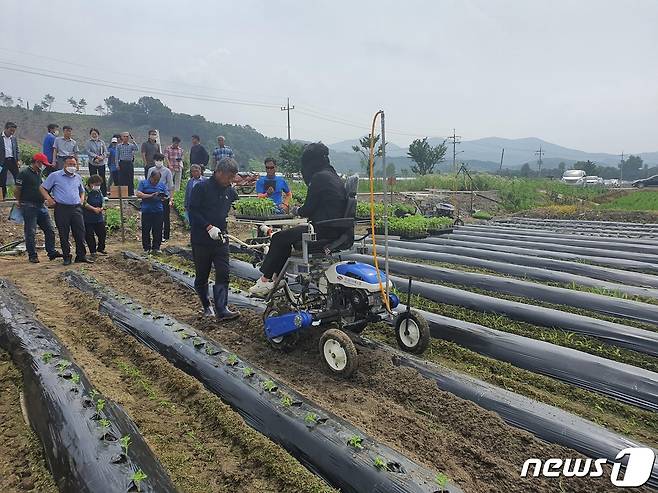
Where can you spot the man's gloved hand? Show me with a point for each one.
(215, 233)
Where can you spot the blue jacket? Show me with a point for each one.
(95, 199)
(188, 190)
(154, 204)
(210, 204)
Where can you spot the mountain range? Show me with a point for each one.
(484, 154)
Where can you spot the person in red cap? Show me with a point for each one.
(31, 203)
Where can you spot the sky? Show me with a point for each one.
(579, 73)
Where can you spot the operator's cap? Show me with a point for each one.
(114, 140)
(41, 158)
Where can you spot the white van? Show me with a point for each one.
(573, 177)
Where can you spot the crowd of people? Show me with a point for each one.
(79, 208)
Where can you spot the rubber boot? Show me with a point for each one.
(223, 314)
(205, 302)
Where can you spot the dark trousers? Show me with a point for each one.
(166, 230)
(93, 231)
(100, 171)
(206, 256)
(280, 247)
(152, 230)
(33, 215)
(114, 178)
(10, 165)
(69, 218)
(127, 176)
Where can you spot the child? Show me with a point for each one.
(93, 215)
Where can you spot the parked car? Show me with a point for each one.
(573, 177)
(652, 181)
(614, 182)
(591, 181)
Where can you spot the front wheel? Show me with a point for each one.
(338, 353)
(412, 332)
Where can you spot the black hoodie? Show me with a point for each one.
(326, 197)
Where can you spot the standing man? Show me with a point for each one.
(220, 152)
(198, 154)
(97, 151)
(274, 187)
(30, 201)
(63, 190)
(167, 180)
(47, 147)
(8, 156)
(149, 149)
(174, 155)
(64, 147)
(209, 205)
(196, 177)
(126, 155)
(152, 193)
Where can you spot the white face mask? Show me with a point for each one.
(70, 170)
(56, 133)
(96, 187)
(159, 164)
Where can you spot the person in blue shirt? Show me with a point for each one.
(151, 191)
(48, 143)
(112, 162)
(94, 217)
(274, 187)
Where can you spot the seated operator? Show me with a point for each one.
(326, 199)
(274, 187)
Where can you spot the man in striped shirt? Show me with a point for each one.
(126, 162)
(174, 157)
(220, 152)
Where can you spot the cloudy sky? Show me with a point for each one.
(580, 73)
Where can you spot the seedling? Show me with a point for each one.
(380, 463)
(75, 377)
(355, 441)
(138, 477)
(198, 342)
(232, 360)
(63, 365)
(105, 423)
(286, 400)
(47, 356)
(125, 443)
(441, 479)
(93, 394)
(269, 386)
(248, 372)
(311, 418)
(100, 405)
(185, 335)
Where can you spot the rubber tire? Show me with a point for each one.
(423, 327)
(350, 351)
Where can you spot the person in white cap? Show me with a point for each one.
(112, 162)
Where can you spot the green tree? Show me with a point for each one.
(363, 148)
(100, 109)
(525, 170)
(78, 106)
(37, 108)
(561, 167)
(588, 167)
(47, 102)
(390, 169)
(631, 167)
(290, 157)
(6, 99)
(425, 156)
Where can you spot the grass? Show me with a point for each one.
(643, 200)
(604, 411)
(113, 221)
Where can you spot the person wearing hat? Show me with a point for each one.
(34, 211)
(326, 199)
(112, 162)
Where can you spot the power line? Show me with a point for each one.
(287, 108)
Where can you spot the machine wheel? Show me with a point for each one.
(412, 332)
(284, 343)
(338, 353)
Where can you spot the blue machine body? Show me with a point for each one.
(363, 272)
(393, 300)
(287, 323)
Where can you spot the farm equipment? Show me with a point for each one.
(316, 289)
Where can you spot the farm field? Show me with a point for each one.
(201, 440)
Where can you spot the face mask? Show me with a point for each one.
(96, 187)
(159, 164)
(56, 133)
(71, 170)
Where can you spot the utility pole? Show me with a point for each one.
(621, 168)
(287, 108)
(502, 154)
(455, 140)
(539, 153)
